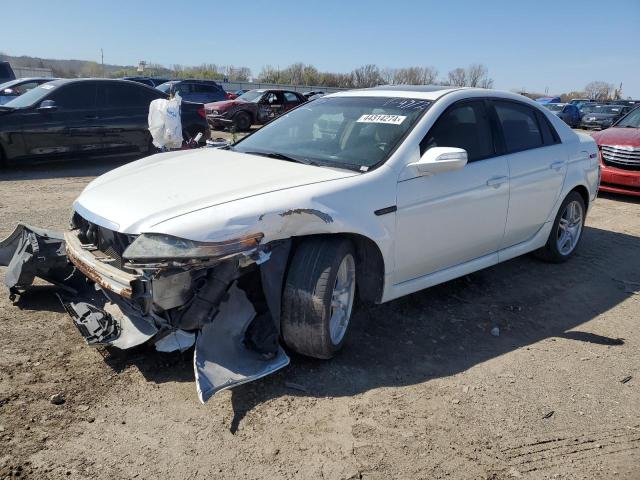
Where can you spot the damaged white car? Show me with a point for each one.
(376, 193)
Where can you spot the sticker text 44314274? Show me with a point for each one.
(377, 118)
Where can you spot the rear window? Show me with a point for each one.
(519, 126)
(125, 96)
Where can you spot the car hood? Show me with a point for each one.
(160, 187)
(618, 136)
(223, 104)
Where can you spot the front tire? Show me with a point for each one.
(242, 121)
(318, 296)
(566, 232)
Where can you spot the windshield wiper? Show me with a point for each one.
(280, 156)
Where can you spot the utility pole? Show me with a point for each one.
(102, 61)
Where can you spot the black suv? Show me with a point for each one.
(201, 91)
(85, 117)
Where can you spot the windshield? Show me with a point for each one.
(631, 120)
(554, 107)
(346, 132)
(610, 110)
(251, 96)
(31, 97)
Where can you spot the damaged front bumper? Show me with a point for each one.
(171, 307)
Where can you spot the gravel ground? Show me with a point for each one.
(422, 390)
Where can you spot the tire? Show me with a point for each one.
(310, 324)
(557, 248)
(242, 121)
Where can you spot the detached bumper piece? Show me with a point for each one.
(112, 325)
(31, 252)
(221, 359)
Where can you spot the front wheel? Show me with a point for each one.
(242, 121)
(566, 231)
(318, 296)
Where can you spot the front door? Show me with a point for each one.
(447, 219)
(69, 130)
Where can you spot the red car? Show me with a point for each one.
(620, 155)
(251, 108)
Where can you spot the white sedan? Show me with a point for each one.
(377, 193)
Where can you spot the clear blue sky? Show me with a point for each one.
(557, 44)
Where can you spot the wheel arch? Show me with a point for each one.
(584, 193)
(370, 268)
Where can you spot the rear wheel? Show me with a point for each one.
(566, 232)
(318, 296)
(242, 121)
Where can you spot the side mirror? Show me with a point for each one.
(47, 106)
(440, 160)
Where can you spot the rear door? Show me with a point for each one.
(70, 130)
(123, 111)
(291, 100)
(537, 167)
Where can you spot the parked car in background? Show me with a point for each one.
(587, 107)
(255, 107)
(150, 81)
(544, 100)
(201, 91)
(14, 88)
(603, 116)
(567, 112)
(620, 155)
(579, 102)
(236, 94)
(73, 118)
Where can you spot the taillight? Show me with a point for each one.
(202, 113)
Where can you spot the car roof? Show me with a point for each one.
(426, 92)
(28, 79)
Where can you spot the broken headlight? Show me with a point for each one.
(159, 248)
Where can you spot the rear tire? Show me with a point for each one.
(566, 232)
(318, 296)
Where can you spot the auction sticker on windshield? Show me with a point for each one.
(377, 118)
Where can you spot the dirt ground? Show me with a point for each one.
(422, 390)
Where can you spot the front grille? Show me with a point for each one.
(109, 245)
(621, 156)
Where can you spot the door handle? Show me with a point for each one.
(557, 165)
(91, 117)
(497, 181)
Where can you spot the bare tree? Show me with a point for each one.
(476, 75)
(598, 90)
(366, 76)
(457, 77)
(415, 76)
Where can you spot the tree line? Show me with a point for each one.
(476, 75)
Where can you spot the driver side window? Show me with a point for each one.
(464, 125)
